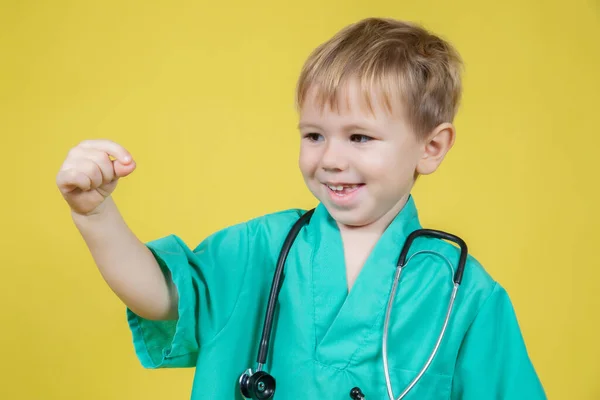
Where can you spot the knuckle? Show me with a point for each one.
(67, 176)
(86, 168)
(74, 177)
(73, 152)
(92, 168)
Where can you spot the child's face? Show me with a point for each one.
(373, 156)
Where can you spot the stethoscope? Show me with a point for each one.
(259, 385)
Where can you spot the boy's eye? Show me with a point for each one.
(360, 138)
(313, 137)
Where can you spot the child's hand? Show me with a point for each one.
(90, 172)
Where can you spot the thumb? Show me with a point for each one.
(122, 170)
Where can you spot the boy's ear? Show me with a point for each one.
(435, 147)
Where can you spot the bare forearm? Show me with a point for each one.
(127, 265)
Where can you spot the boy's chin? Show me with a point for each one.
(352, 218)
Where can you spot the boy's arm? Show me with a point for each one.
(127, 265)
(86, 179)
(493, 362)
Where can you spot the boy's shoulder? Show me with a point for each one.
(476, 279)
(274, 220)
(266, 230)
(274, 224)
(480, 296)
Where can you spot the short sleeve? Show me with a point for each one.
(493, 362)
(208, 279)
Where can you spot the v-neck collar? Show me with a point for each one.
(344, 320)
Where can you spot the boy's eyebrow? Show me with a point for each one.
(302, 125)
(355, 127)
(347, 128)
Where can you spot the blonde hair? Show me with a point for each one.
(400, 61)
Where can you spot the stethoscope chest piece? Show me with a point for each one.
(257, 386)
(357, 394)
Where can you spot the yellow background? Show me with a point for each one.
(201, 93)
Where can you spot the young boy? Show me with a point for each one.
(376, 105)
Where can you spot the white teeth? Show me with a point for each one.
(340, 188)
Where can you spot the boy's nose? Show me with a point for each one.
(334, 158)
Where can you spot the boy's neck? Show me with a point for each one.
(358, 242)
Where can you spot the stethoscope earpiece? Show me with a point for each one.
(257, 386)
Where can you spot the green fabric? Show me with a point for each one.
(325, 340)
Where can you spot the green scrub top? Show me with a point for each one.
(326, 340)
